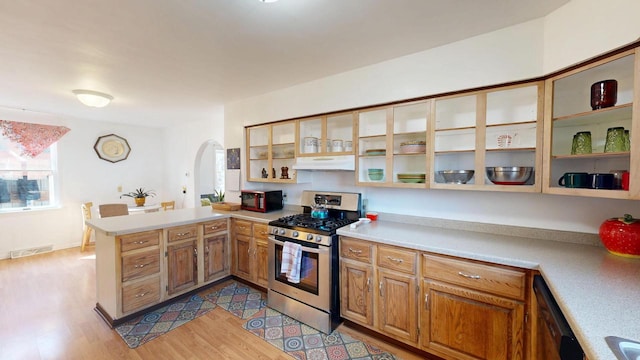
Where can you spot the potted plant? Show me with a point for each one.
(218, 202)
(139, 195)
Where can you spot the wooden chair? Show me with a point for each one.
(168, 205)
(107, 210)
(86, 230)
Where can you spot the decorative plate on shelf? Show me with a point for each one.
(112, 148)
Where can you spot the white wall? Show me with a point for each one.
(519, 52)
(83, 177)
(181, 145)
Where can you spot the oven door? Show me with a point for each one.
(315, 273)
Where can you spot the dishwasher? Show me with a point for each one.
(555, 341)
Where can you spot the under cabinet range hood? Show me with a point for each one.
(343, 162)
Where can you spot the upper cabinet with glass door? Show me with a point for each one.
(392, 145)
(271, 152)
(490, 132)
(330, 135)
(588, 131)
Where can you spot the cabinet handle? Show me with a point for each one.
(475, 277)
(426, 301)
(206, 249)
(182, 234)
(141, 242)
(249, 251)
(396, 260)
(195, 251)
(368, 284)
(380, 289)
(140, 266)
(213, 228)
(143, 294)
(358, 252)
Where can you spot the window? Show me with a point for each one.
(26, 182)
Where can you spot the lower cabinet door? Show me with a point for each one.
(356, 300)
(398, 315)
(140, 294)
(215, 257)
(262, 263)
(182, 266)
(468, 324)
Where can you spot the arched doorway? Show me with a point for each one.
(209, 170)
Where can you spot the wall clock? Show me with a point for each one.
(112, 148)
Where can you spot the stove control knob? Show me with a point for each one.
(318, 238)
(309, 236)
(274, 231)
(282, 231)
(295, 234)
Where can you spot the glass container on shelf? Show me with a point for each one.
(572, 115)
(326, 135)
(410, 144)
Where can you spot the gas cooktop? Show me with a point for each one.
(308, 223)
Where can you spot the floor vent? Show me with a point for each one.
(33, 251)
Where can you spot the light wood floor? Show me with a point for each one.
(47, 312)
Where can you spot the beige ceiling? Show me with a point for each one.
(171, 61)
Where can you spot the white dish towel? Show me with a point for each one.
(291, 259)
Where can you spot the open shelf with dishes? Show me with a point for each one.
(392, 145)
(489, 139)
(589, 130)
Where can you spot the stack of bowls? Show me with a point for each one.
(456, 176)
(411, 178)
(375, 174)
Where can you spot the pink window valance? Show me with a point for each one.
(33, 138)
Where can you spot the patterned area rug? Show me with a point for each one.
(306, 343)
(238, 299)
(149, 326)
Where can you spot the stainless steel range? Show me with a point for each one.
(314, 297)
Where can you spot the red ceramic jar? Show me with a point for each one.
(604, 94)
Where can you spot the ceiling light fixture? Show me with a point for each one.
(93, 98)
(268, 1)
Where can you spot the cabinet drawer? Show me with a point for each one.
(356, 249)
(139, 265)
(182, 233)
(242, 227)
(397, 259)
(215, 226)
(140, 294)
(139, 240)
(261, 231)
(488, 278)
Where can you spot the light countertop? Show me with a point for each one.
(598, 293)
(127, 224)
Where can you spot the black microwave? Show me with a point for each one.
(261, 201)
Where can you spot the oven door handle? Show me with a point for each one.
(304, 248)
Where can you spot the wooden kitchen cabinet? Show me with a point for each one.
(326, 129)
(379, 288)
(270, 148)
(381, 133)
(143, 269)
(356, 280)
(250, 259)
(182, 259)
(472, 310)
(487, 128)
(139, 278)
(568, 111)
(216, 250)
